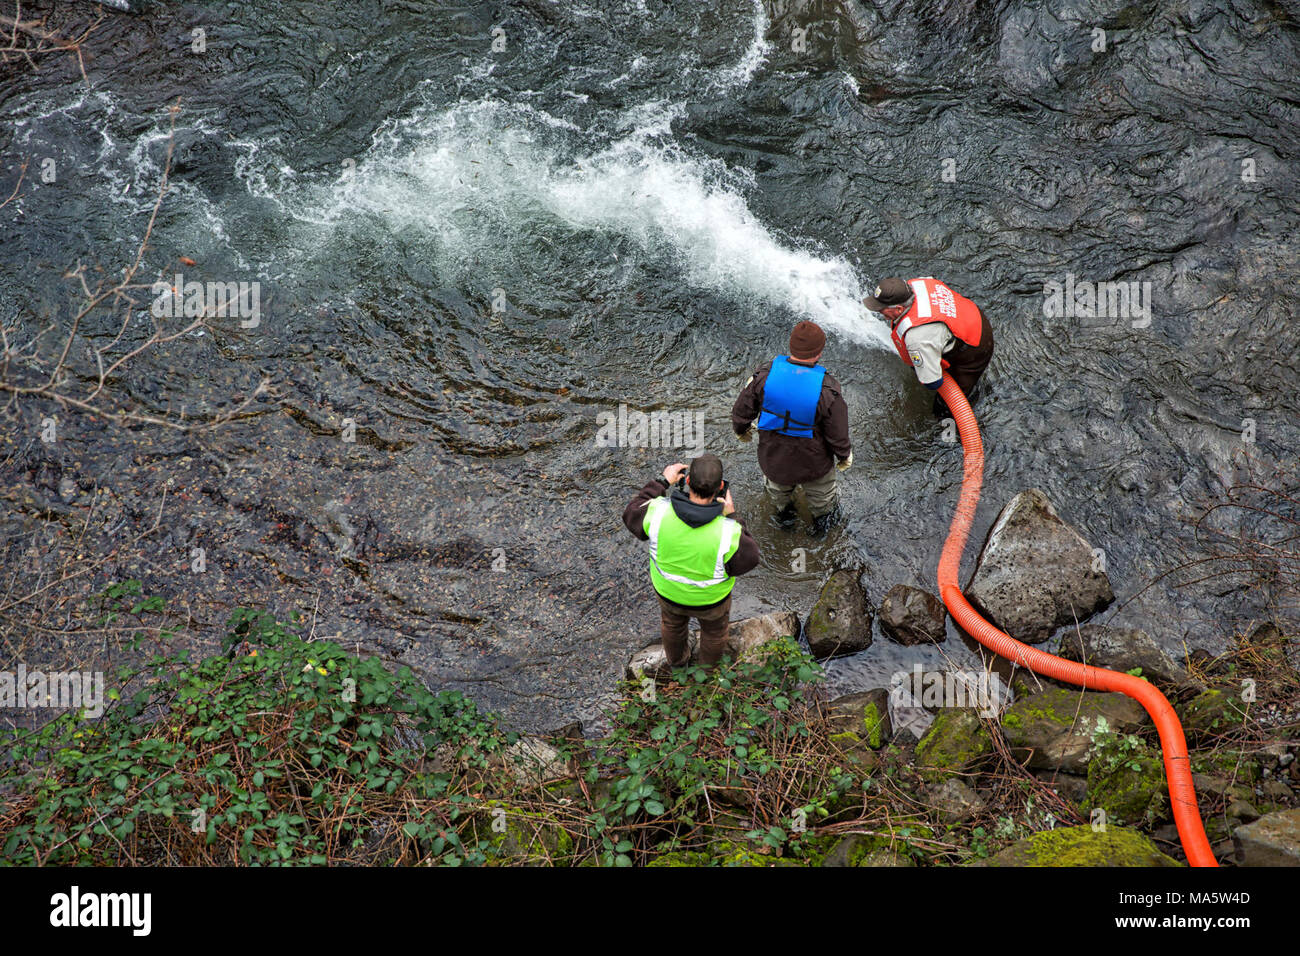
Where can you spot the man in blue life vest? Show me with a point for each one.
(698, 547)
(803, 428)
(935, 330)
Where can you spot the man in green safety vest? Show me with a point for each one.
(698, 547)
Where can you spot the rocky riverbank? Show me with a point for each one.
(1087, 765)
(286, 748)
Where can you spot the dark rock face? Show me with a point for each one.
(840, 622)
(1122, 649)
(1036, 573)
(912, 616)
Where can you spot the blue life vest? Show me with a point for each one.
(790, 397)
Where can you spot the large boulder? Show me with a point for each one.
(743, 640)
(1082, 846)
(1053, 730)
(1272, 840)
(1035, 572)
(912, 616)
(1124, 649)
(840, 622)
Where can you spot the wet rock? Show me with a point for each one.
(911, 616)
(955, 800)
(956, 743)
(1272, 840)
(840, 622)
(866, 715)
(1082, 846)
(744, 638)
(1053, 730)
(1035, 572)
(1124, 649)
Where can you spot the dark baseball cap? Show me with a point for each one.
(890, 292)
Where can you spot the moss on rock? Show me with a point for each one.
(955, 743)
(1082, 846)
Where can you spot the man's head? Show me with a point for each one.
(807, 342)
(706, 476)
(893, 297)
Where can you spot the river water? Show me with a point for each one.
(478, 254)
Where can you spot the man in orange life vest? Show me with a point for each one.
(935, 330)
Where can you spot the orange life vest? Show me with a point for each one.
(935, 302)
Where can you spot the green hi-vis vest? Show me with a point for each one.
(687, 565)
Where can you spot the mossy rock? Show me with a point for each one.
(516, 837)
(1230, 766)
(1213, 713)
(858, 755)
(1082, 846)
(721, 854)
(955, 743)
(858, 849)
(1053, 729)
(866, 715)
(1132, 790)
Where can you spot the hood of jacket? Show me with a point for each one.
(694, 515)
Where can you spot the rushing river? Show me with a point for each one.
(478, 230)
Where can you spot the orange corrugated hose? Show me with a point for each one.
(1182, 795)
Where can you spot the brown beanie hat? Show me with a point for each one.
(807, 340)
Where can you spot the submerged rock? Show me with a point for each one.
(1082, 846)
(1124, 649)
(911, 616)
(840, 622)
(1053, 730)
(1035, 572)
(1272, 840)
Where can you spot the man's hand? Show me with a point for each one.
(747, 434)
(728, 506)
(844, 464)
(673, 473)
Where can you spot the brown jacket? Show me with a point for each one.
(788, 460)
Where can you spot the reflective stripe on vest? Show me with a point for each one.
(935, 302)
(688, 565)
(791, 393)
